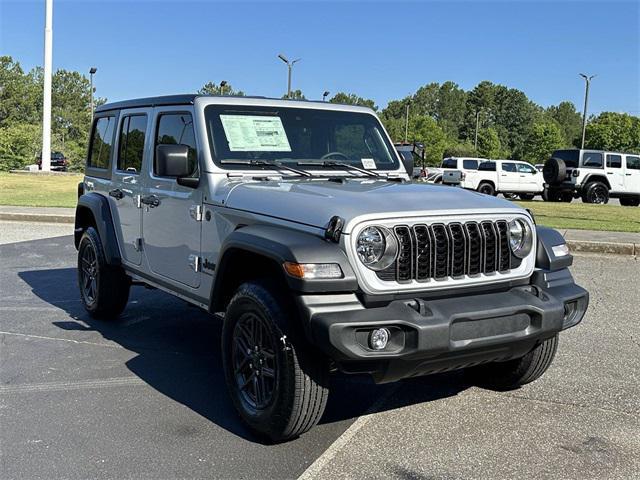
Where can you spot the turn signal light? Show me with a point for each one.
(313, 270)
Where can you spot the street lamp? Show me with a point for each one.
(587, 80)
(223, 84)
(289, 66)
(325, 95)
(46, 94)
(475, 143)
(92, 72)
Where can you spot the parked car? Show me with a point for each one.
(593, 175)
(58, 161)
(539, 166)
(297, 221)
(463, 165)
(509, 177)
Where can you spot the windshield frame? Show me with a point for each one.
(253, 104)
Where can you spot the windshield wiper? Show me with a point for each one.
(346, 166)
(267, 163)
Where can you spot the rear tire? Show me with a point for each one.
(104, 288)
(526, 196)
(629, 202)
(487, 188)
(596, 193)
(278, 383)
(566, 197)
(515, 373)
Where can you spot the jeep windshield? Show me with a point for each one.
(248, 137)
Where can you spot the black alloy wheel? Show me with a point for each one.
(254, 361)
(89, 274)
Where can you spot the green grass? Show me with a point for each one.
(60, 191)
(584, 216)
(39, 190)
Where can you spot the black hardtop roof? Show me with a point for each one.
(183, 99)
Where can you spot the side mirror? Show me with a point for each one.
(407, 162)
(173, 161)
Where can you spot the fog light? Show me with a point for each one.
(379, 339)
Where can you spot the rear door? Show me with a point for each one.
(632, 174)
(171, 225)
(509, 180)
(470, 168)
(126, 189)
(615, 173)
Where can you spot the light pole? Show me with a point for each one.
(223, 84)
(46, 104)
(92, 71)
(324, 95)
(290, 66)
(475, 142)
(587, 80)
(406, 124)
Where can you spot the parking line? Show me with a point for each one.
(329, 454)
(66, 386)
(40, 337)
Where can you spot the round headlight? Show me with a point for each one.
(520, 238)
(377, 248)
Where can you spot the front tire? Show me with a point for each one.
(278, 383)
(104, 288)
(526, 196)
(515, 373)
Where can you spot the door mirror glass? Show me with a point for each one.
(173, 161)
(407, 162)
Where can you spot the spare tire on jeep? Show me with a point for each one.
(554, 170)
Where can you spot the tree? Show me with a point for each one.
(211, 88)
(295, 95)
(460, 149)
(489, 144)
(614, 131)
(543, 138)
(19, 145)
(569, 120)
(353, 99)
(426, 130)
(18, 94)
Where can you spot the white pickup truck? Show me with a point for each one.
(504, 176)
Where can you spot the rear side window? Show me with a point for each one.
(450, 163)
(177, 129)
(592, 159)
(131, 144)
(508, 167)
(487, 167)
(101, 142)
(614, 161)
(470, 164)
(633, 163)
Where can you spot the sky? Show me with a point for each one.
(379, 50)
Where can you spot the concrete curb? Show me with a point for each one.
(37, 217)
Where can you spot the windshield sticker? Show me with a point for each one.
(369, 163)
(255, 133)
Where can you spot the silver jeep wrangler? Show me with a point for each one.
(297, 223)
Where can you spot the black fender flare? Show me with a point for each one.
(98, 206)
(545, 258)
(281, 245)
(596, 177)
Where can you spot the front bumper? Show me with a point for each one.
(430, 336)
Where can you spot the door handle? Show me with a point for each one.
(627, 174)
(609, 173)
(116, 193)
(151, 200)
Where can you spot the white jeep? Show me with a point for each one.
(593, 175)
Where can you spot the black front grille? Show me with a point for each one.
(440, 251)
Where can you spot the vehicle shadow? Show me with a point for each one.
(178, 354)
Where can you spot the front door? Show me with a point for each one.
(170, 225)
(509, 177)
(125, 194)
(615, 173)
(530, 178)
(632, 174)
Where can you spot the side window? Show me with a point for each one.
(508, 167)
(524, 168)
(592, 159)
(487, 167)
(101, 141)
(450, 163)
(614, 161)
(177, 129)
(470, 164)
(131, 144)
(633, 163)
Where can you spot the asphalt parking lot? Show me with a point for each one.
(144, 397)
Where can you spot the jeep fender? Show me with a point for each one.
(281, 245)
(595, 177)
(93, 209)
(546, 259)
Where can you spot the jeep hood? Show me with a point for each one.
(313, 202)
